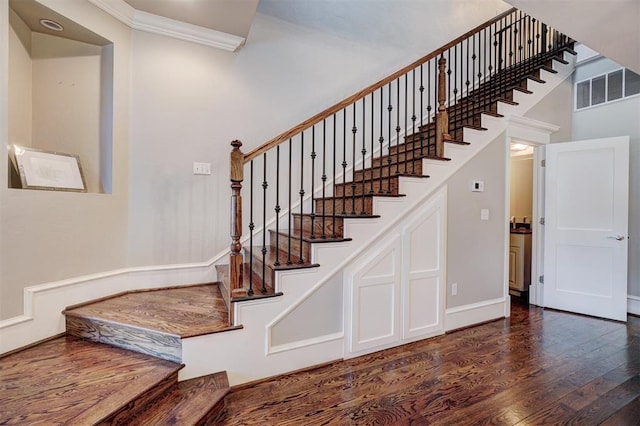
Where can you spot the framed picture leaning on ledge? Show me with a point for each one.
(48, 170)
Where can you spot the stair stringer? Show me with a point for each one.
(246, 354)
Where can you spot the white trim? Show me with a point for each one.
(148, 22)
(44, 303)
(535, 133)
(633, 305)
(302, 343)
(475, 313)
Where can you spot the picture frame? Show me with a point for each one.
(48, 170)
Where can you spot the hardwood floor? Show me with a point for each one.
(539, 367)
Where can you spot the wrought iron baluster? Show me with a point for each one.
(354, 130)
(344, 161)
(421, 110)
(265, 185)
(381, 141)
(413, 121)
(289, 208)
(312, 215)
(398, 128)
(335, 180)
(301, 258)
(364, 151)
(390, 110)
(251, 228)
(324, 178)
(277, 208)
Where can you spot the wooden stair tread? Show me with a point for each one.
(282, 257)
(307, 238)
(181, 311)
(68, 380)
(561, 60)
(190, 402)
(507, 101)
(348, 197)
(240, 294)
(328, 217)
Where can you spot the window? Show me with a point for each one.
(605, 88)
(598, 90)
(614, 84)
(632, 83)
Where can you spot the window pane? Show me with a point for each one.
(631, 83)
(598, 88)
(583, 94)
(614, 86)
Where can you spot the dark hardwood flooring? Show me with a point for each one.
(539, 367)
(71, 381)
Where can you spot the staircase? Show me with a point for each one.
(285, 241)
(314, 198)
(119, 363)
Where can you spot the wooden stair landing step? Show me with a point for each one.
(68, 380)
(153, 321)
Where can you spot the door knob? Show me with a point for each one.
(618, 237)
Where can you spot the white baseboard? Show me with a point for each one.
(43, 304)
(475, 313)
(633, 305)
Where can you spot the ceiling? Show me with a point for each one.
(31, 12)
(228, 16)
(610, 27)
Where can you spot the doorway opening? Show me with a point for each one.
(521, 225)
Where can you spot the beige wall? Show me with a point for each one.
(20, 90)
(66, 101)
(47, 236)
(475, 248)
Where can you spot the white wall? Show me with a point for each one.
(475, 247)
(45, 235)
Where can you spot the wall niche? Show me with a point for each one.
(60, 90)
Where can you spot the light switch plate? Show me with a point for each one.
(477, 186)
(201, 168)
(484, 214)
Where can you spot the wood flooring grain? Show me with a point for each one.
(182, 311)
(76, 382)
(538, 367)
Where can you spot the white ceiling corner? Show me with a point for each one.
(156, 24)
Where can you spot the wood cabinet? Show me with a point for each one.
(520, 261)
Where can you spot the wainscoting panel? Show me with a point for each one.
(423, 272)
(395, 292)
(375, 297)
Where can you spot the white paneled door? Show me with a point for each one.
(586, 227)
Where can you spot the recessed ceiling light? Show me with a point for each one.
(518, 147)
(51, 25)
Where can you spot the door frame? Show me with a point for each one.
(536, 134)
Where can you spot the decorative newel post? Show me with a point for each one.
(236, 177)
(442, 118)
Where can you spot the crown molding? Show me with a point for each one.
(151, 23)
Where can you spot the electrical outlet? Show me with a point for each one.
(454, 289)
(201, 168)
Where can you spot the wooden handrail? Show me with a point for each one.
(366, 91)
